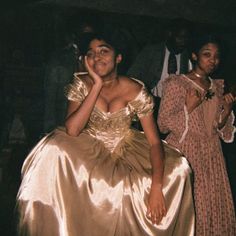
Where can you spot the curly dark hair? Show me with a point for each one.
(198, 41)
(113, 38)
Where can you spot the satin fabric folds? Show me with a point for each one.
(97, 184)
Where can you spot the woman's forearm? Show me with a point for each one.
(157, 161)
(77, 120)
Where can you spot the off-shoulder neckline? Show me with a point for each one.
(121, 109)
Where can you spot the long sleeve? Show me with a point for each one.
(228, 131)
(172, 115)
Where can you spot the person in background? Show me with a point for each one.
(157, 61)
(97, 176)
(59, 71)
(195, 113)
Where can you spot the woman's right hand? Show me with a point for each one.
(193, 99)
(95, 77)
(156, 208)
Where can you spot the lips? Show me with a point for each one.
(99, 64)
(212, 67)
(99, 67)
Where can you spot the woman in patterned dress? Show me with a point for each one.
(98, 176)
(195, 113)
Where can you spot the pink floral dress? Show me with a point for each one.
(196, 135)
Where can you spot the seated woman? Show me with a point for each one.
(97, 176)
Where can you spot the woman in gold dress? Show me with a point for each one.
(97, 176)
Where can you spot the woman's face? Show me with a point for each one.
(208, 58)
(102, 58)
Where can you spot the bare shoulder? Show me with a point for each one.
(130, 86)
(130, 83)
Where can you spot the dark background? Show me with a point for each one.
(31, 30)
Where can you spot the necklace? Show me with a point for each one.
(209, 93)
(198, 75)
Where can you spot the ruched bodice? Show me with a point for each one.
(110, 128)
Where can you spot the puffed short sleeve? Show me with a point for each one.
(143, 104)
(77, 90)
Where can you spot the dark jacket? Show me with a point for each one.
(149, 63)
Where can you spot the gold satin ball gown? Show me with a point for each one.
(97, 184)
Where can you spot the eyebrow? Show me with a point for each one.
(102, 45)
(208, 49)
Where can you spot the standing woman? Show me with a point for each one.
(98, 176)
(195, 113)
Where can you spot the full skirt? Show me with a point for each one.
(74, 186)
